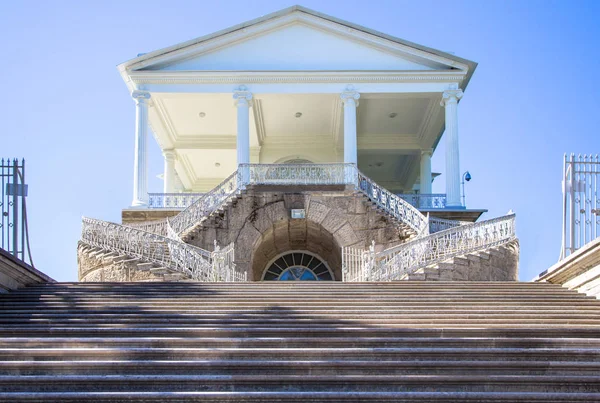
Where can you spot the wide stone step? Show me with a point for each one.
(364, 382)
(455, 322)
(253, 331)
(297, 367)
(297, 342)
(297, 397)
(141, 317)
(239, 353)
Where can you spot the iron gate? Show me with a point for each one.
(14, 236)
(581, 202)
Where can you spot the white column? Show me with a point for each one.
(169, 174)
(140, 159)
(426, 171)
(350, 99)
(450, 102)
(243, 101)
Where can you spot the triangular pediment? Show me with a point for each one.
(296, 39)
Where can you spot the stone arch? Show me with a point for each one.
(296, 234)
(340, 218)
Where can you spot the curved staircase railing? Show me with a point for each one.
(396, 262)
(159, 227)
(395, 206)
(196, 263)
(436, 239)
(297, 174)
(206, 204)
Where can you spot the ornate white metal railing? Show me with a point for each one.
(425, 201)
(397, 262)
(172, 200)
(206, 204)
(196, 263)
(356, 263)
(392, 204)
(581, 202)
(440, 224)
(299, 174)
(158, 227)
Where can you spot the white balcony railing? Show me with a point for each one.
(172, 200)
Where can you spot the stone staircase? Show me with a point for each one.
(297, 342)
(492, 264)
(145, 271)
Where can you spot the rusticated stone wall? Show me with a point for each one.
(261, 226)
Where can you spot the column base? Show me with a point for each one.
(139, 203)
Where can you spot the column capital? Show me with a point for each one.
(451, 96)
(242, 96)
(427, 151)
(140, 96)
(169, 154)
(350, 97)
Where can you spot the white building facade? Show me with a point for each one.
(297, 85)
(297, 147)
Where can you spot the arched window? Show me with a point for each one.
(297, 266)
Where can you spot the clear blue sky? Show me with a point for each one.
(66, 110)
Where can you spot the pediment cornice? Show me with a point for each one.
(146, 68)
(212, 77)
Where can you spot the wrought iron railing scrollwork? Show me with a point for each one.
(397, 262)
(159, 227)
(440, 224)
(393, 205)
(425, 201)
(172, 200)
(206, 204)
(297, 174)
(196, 263)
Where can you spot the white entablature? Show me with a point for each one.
(296, 65)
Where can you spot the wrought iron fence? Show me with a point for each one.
(581, 202)
(425, 201)
(172, 200)
(14, 231)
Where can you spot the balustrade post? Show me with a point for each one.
(450, 99)
(140, 159)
